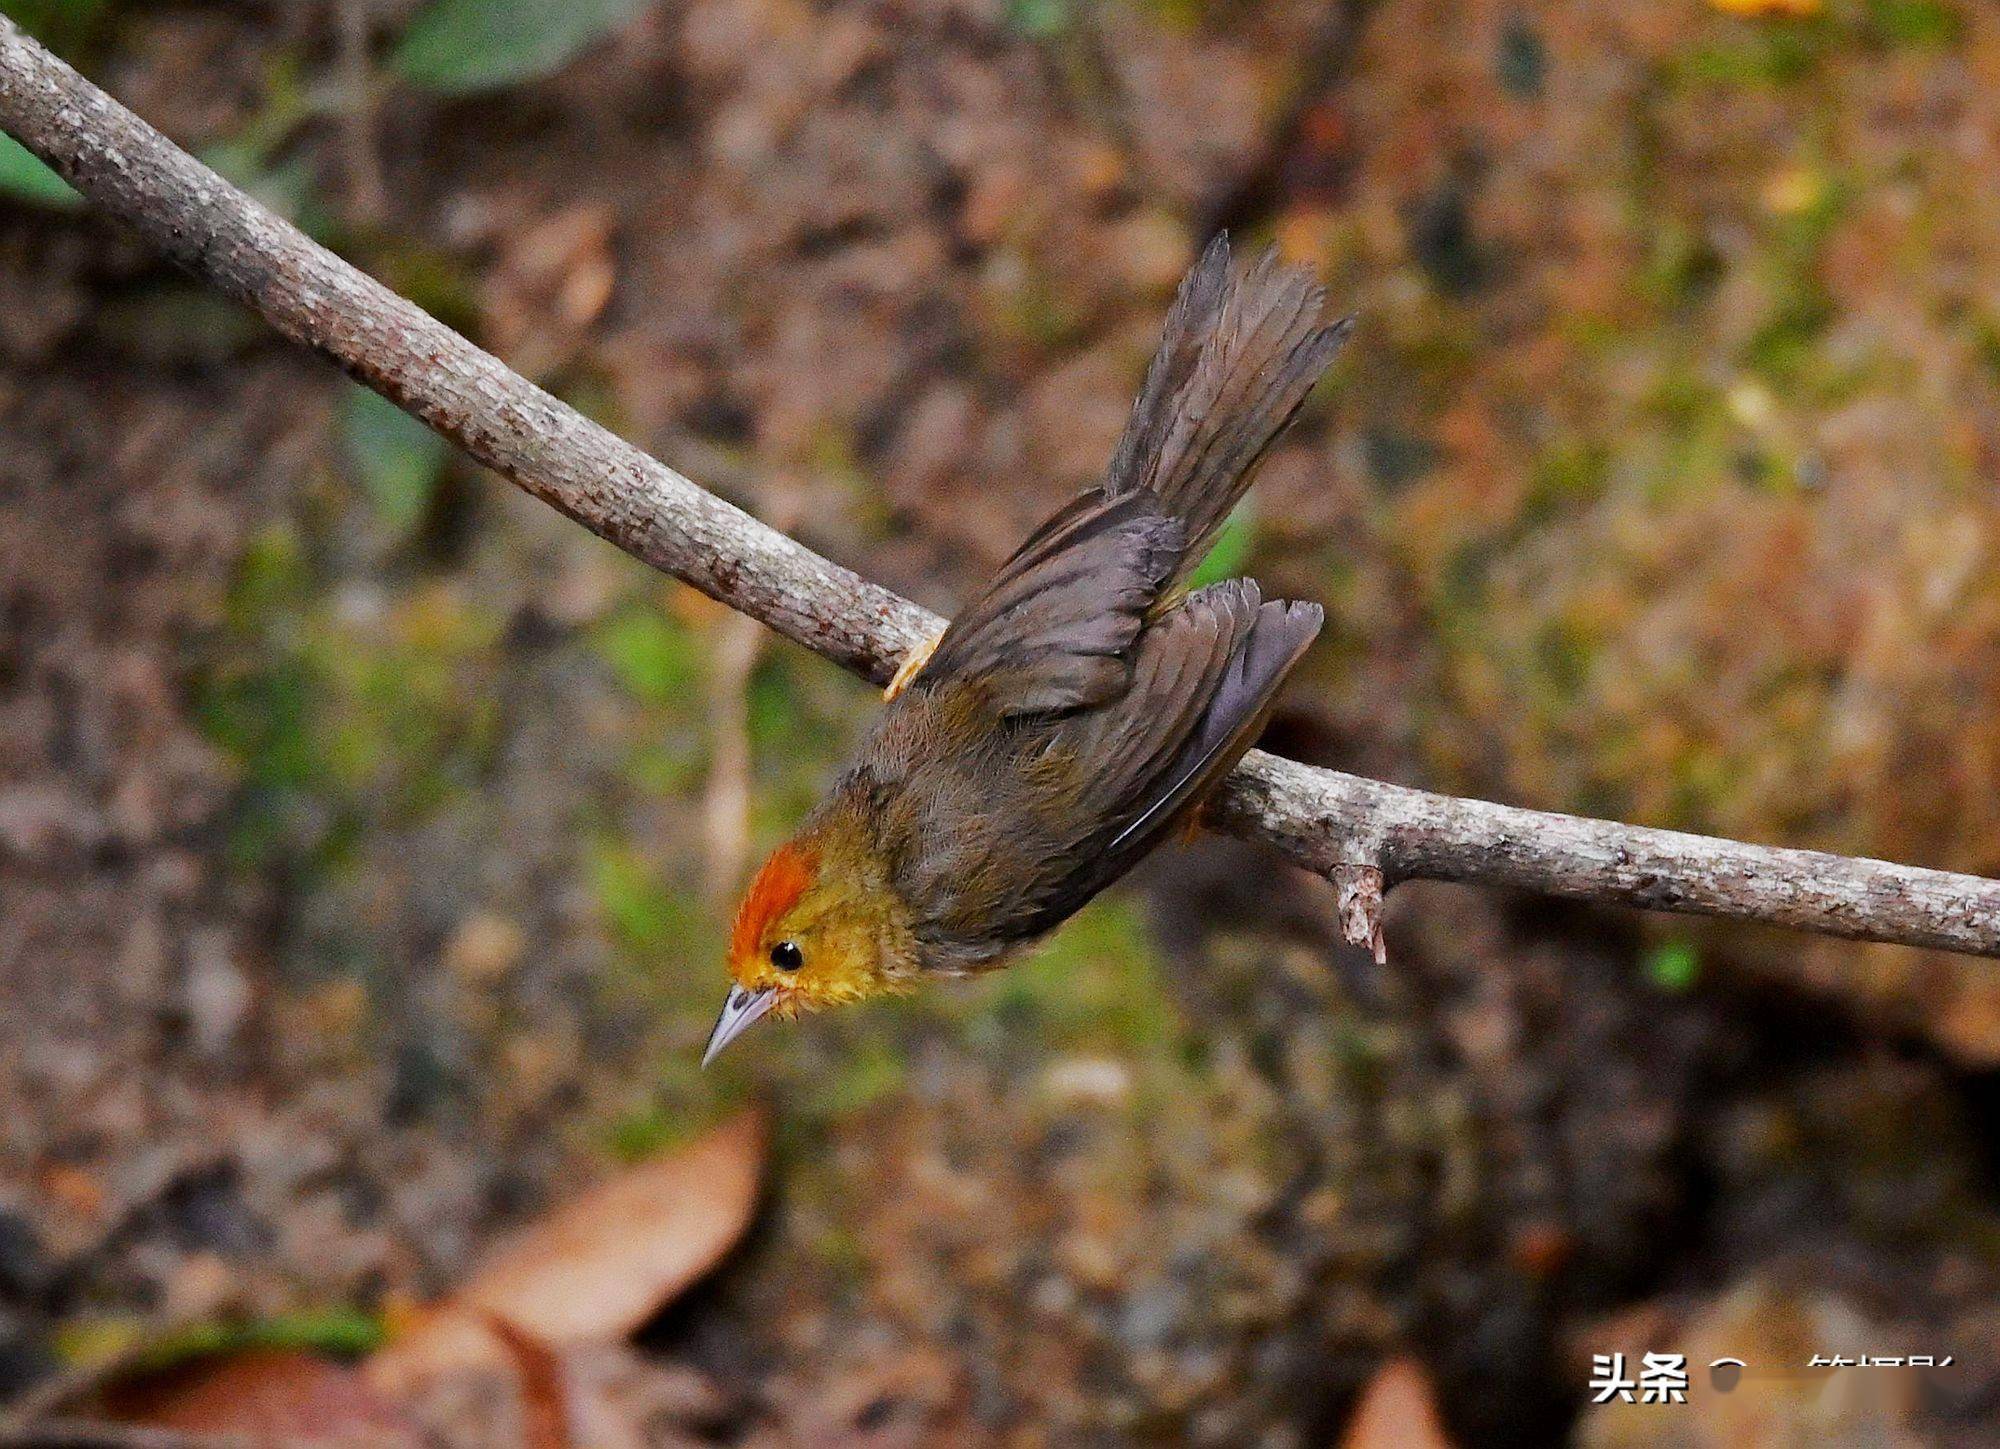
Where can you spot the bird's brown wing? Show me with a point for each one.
(1238, 355)
(998, 846)
(1054, 631)
(1113, 705)
(1204, 681)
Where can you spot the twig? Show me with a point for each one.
(1249, 197)
(1320, 818)
(1359, 889)
(359, 107)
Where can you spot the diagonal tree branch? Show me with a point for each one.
(1341, 825)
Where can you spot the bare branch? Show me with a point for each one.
(1326, 820)
(1359, 889)
(1321, 819)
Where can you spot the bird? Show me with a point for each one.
(1074, 711)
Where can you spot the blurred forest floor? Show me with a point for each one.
(366, 829)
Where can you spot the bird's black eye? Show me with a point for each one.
(787, 956)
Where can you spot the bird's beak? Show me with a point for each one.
(740, 1012)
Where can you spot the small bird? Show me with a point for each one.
(1075, 710)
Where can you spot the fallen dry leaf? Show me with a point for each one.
(266, 1396)
(597, 1267)
(1398, 1410)
(544, 1399)
(597, 1396)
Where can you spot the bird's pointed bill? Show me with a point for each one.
(740, 1012)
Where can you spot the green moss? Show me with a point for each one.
(1783, 347)
(1801, 233)
(1681, 267)
(872, 1069)
(1986, 343)
(1775, 52)
(272, 577)
(335, 722)
(401, 713)
(656, 659)
(1563, 655)
(1593, 334)
(1180, 16)
(259, 716)
(1914, 24)
(1682, 398)
(1569, 472)
(1702, 778)
(801, 721)
(1096, 983)
(643, 912)
(774, 710)
(652, 1130)
(669, 766)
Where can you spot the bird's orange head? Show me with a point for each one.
(816, 928)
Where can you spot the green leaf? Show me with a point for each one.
(24, 177)
(396, 459)
(1230, 552)
(62, 25)
(1673, 966)
(339, 1331)
(458, 46)
(251, 155)
(285, 189)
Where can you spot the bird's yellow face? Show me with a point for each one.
(807, 935)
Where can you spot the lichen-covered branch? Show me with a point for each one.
(1339, 825)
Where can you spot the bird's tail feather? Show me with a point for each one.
(1237, 357)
